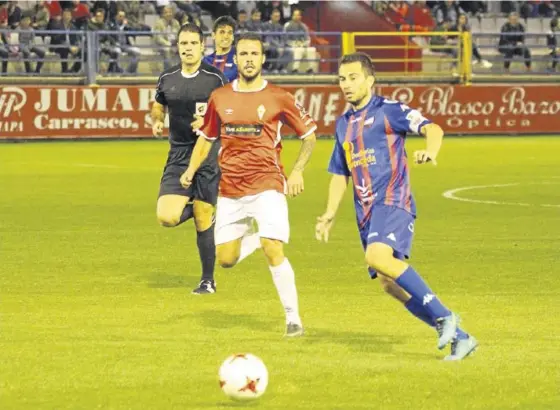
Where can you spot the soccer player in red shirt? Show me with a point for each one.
(247, 115)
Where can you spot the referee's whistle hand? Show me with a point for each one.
(157, 129)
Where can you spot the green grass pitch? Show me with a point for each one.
(96, 310)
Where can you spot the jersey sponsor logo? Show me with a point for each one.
(364, 157)
(243, 129)
(260, 111)
(201, 108)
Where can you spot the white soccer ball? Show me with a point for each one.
(243, 377)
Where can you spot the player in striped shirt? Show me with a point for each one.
(223, 56)
(369, 149)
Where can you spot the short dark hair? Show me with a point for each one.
(363, 59)
(191, 28)
(224, 21)
(250, 36)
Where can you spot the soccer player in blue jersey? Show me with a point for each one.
(222, 57)
(369, 149)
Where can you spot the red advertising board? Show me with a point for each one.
(112, 111)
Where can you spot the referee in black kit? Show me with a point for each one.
(184, 91)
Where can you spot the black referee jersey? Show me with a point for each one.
(184, 96)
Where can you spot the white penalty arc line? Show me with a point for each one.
(450, 194)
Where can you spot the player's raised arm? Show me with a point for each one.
(337, 187)
(207, 134)
(297, 118)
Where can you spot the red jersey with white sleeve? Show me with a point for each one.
(248, 125)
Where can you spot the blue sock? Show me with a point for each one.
(418, 310)
(411, 282)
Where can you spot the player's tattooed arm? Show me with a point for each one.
(305, 152)
(295, 180)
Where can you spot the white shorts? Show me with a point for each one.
(269, 209)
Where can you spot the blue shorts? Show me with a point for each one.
(392, 226)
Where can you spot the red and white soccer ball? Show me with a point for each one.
(243, 377)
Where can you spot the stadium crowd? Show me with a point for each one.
(288, 39)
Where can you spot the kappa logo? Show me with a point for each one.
(229, 111)
(428, 297)
(12, 99)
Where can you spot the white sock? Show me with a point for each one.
(249, 244)
(284, 279)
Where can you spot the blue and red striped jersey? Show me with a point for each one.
(369, 147)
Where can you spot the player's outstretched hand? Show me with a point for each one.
(323, 227)
(186, 179)
(157, 129)
(421, 157)
(295, 183)
(197, 123)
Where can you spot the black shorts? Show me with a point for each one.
(206, 180)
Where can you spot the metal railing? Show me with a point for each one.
(135, 56)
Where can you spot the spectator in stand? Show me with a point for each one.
(27, 44)
(42, 16)
(107, 43)
(168, 27)
(475, 8)
(14, 14)
(80, 14)
(242, 22)
(68, 44)
(448, 11)
(4, 45)
(553, 43)
(255, 24)
(462, 26)
(123, 42)
(277, 53)
(512, 42)
(446, 44)
(193, 10)
(134, 12)
(297, 37)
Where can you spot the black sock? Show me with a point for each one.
(207, 252)
(186, 215)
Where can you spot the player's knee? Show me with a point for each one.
(226, 257)
(168, 219)
(203, 215)
(379, 256)
(274, 251)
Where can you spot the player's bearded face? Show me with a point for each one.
(353, 82)
(249, 59)
(190, 48)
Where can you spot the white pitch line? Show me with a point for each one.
(450, 194)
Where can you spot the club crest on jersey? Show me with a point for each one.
(201, 108)
(260, 111)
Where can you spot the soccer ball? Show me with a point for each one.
(243, 377)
